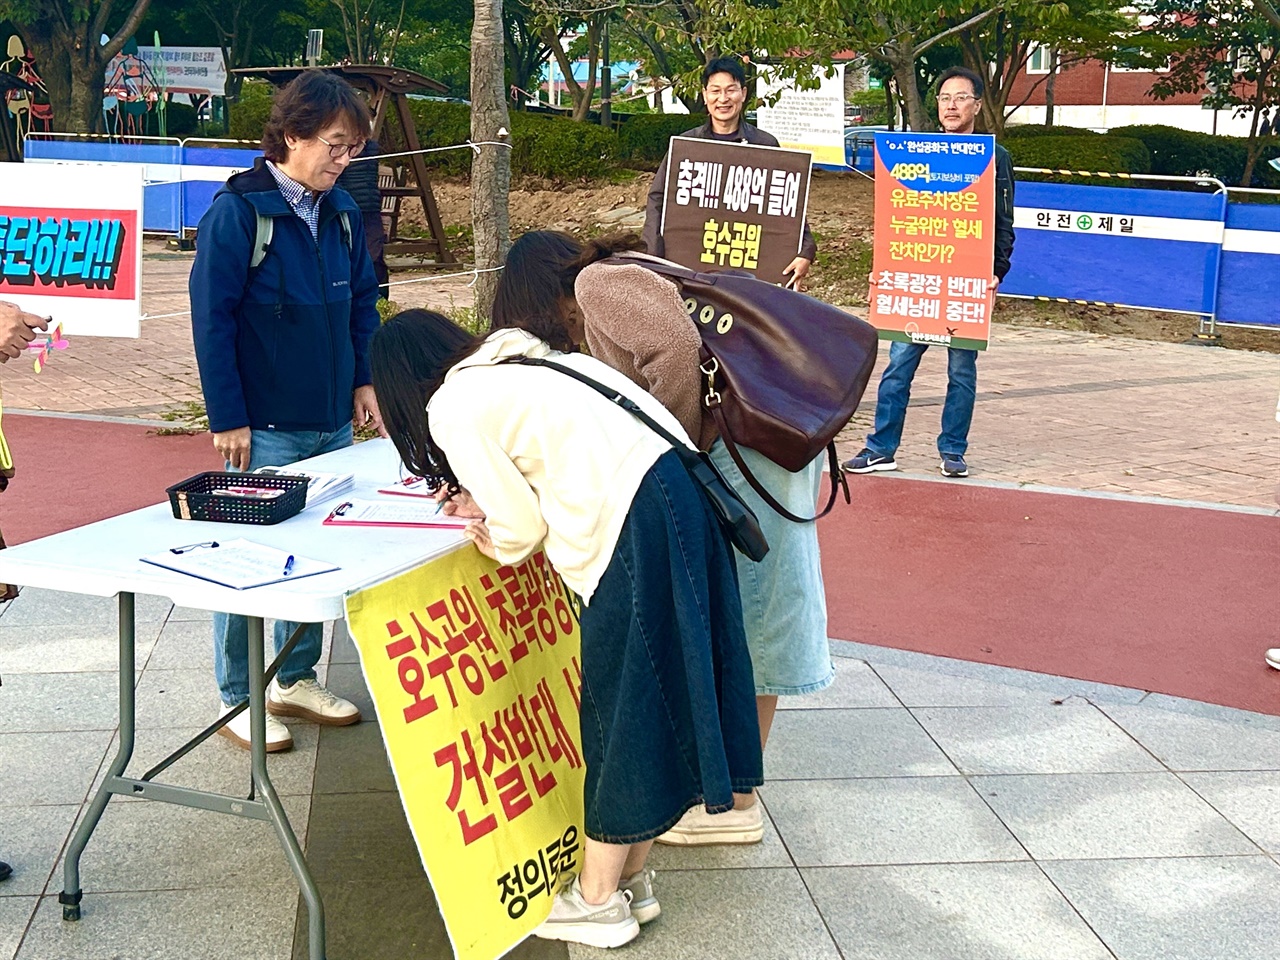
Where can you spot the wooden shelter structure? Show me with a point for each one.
(388, 89)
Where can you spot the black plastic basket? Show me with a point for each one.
(205, 497)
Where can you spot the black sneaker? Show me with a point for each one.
(953, 465)
(868, 462)
(6, 871)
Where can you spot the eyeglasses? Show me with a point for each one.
(338, 150)
(730, 91)
(960, 99)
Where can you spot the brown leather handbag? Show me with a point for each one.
(784, 371)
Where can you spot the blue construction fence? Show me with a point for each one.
(180, 177)
(1173, 250)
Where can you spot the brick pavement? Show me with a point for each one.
(1055, 408)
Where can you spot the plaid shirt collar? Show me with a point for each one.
(305, 202)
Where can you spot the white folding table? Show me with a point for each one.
(103, 559)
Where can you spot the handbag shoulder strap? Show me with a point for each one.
(838, 480)
(663, 267)
(612, 395)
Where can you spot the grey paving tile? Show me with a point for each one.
(218, 765)
(160, 846)
(344, 649)
(1058, 687)
(15, 914)
(1177, 909)
(905, 820)
(952, 911)
(759, 915)
(352, 759)
(59, 608)
(813, 744)
(53, 702)
(41, 648)
(189, 613)
(362, 836)
(176, 698)
(50, 767)
(933, 688)
(1249, 799)
(1186, 742)
(1075, 737)
(855, 685)
(183, 645)
(1116, 815)
(248, 921)
(769, 852)
(1212, 711)
(32, 838)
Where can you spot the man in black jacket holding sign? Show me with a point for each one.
(724, 88)
(959, 101)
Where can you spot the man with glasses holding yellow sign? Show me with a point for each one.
(283, 307)
(724, 88)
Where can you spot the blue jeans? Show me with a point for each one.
(895, 393)
(271, 448)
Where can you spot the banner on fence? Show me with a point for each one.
(150, 71)
(1156, 249)
(811, 120)
(734, 206)
(474, 669)
(934, 238)
(71, 246)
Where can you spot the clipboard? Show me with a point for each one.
(239, 564)
(382, 513)
(415, 487)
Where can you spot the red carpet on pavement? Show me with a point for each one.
(1160, 597)
(72, 472)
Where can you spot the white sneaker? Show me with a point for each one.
(1273, 658)
(310, 701)
(279, 738)
(609, 924)
(697, 827)
(644, 905)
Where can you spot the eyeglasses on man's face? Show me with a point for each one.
(715, 93)
(959, 99)
(339, 150)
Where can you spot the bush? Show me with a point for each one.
(644, 138)
(180, 119)
(559, 148)
(438, 124)
(1104, 153)
(1187, 153)
(1017, 131)
(249, 114)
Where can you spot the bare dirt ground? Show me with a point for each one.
(840, 214)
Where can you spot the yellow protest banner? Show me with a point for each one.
(475, 672)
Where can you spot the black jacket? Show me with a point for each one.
(1004, 211)
(657, 190)
(361, 180)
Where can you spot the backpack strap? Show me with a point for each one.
(263, 231)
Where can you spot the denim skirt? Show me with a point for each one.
(784, 602)
(668, 700)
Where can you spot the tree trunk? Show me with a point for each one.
(1048, 88)
(54, 65)
(904, 73)
(491, 167)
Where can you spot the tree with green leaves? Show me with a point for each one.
(1227, 50)
(1000, 47)
(895, 33)
(66, 37)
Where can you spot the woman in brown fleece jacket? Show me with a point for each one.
(636, 322)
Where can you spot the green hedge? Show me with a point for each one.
(1019, 131)
(1109, 153)
(249, 114)
(1186, 153)
(644, 137)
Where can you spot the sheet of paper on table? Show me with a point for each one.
(320, 486)
(240, 564)
(389, 513)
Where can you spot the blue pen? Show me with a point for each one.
(288, 565)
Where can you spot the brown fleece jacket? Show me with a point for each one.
(636, 323)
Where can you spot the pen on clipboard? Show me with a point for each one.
(340, 509)
(288, 565)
